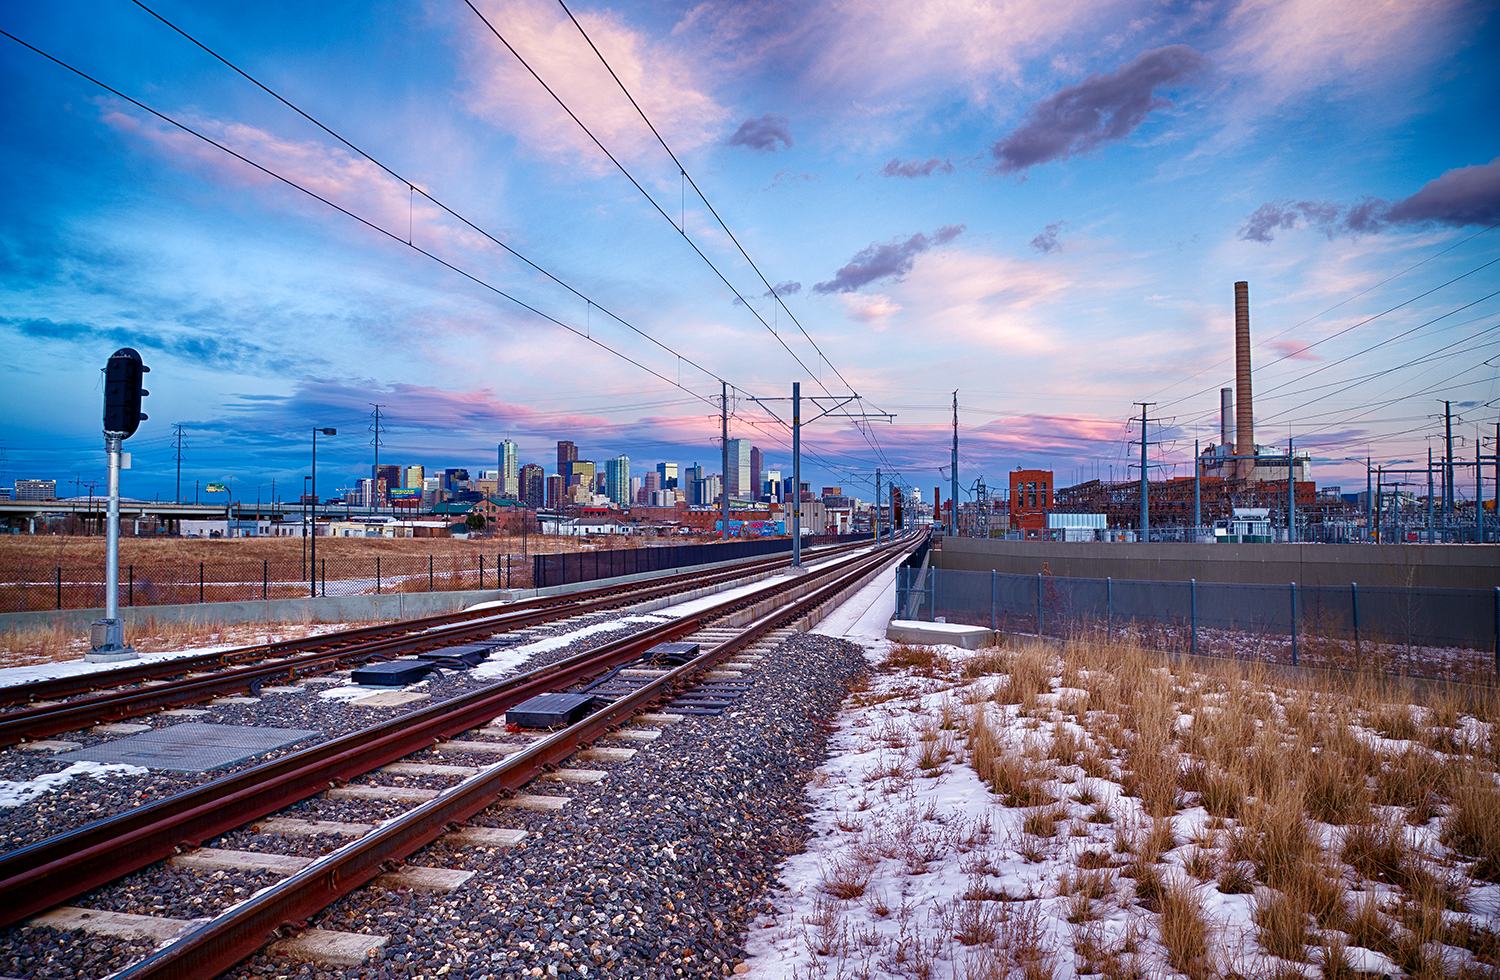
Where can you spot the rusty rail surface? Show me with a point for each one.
(225, 940)
(52, 871)
(62, 687)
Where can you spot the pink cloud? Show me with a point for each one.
(331, 172)
(667, 81)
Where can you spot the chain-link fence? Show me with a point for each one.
(587, 566)
(1442, 633)
(81, 586)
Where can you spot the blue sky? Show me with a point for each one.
(1043, 205)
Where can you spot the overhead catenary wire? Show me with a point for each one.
(680, 228)
(393, 236)
(414, 189)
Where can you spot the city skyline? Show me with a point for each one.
(1041, 206)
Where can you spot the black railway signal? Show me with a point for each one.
(123, 392)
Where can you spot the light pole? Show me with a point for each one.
(314, 529)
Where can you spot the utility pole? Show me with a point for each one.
(1197, 494)
(877, 505)
(724, 443)
(953, 492)
(178, 457)
(1448, 459)
(1429, 495)
(1145, 473)
(1370, 499)
(1291, 491)
(375, 473)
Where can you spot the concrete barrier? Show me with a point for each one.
(1438, 566)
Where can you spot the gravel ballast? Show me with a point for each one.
(655, 872)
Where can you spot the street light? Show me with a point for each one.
(314, 529)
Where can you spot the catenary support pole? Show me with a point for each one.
(877, 505)
(1429, 495)
(796, 474)
(724, 441)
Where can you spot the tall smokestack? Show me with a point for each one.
(1226, 417)
(1244, 429)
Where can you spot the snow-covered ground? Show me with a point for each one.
(918, 868)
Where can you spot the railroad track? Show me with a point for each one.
(193, 680)
(48, 873)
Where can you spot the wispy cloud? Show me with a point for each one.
(1462, 196)
(1100, 109)
(897, 167)
(885, 260)
(1047, 241)
(221, 352)
(763, 133)
(669, 83)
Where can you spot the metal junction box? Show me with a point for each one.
(391, 673)
(672, 653)
(472, 654)
(551, 711)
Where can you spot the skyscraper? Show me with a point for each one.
(757, 467)
(581, 471)
(414, 476)
(533, 481)
(617, 480)
(566, 453)
(510, 469)
(737, 480)
(668, 474)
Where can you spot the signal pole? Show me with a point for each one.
(122, 416)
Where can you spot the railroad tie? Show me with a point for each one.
(293, 827)
(541, 804)
(485, 837)
(327, 946)
(121, 925)
(381, 793)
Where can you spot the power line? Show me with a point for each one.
(364, 221)
(412, 188)
(637, 184)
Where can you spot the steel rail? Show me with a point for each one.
(44, 721)
(225, 940)
(60, 687)
(49, 872)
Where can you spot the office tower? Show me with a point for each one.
(414, 477)
(387, 477)
(455, 479)
(667, 472)
(757, 466)
(556, 487)
(737, 480)
(772, 485)
(713, 486)
(566, 454)
(617, 480)
(581, 471)
(510, 469)
(533, 481)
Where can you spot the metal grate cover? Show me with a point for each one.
(191, 746)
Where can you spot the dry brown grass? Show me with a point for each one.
(37, 645)
(1185, 931)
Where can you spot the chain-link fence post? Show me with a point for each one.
(1193, 602)
(1294, 624)
(1354, 613)
(1038, 603)
(1109, 608)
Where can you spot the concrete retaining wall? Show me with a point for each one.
(1439, 566)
